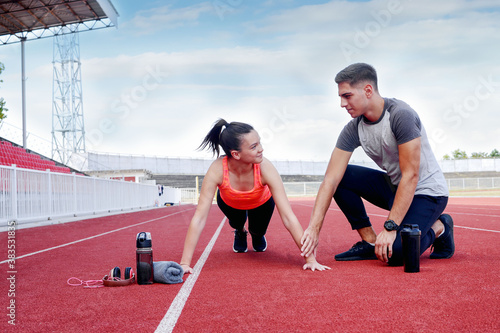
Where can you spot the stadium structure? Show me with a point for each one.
(37, 184)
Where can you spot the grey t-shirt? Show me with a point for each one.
(398, 124)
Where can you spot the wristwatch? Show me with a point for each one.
(390, 225)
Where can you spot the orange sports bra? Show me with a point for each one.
(243, 199)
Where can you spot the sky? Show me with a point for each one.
(155, 85)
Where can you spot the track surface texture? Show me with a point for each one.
(250, 292)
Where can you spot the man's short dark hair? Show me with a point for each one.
(356, 73)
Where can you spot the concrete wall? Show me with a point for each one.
(187, 166)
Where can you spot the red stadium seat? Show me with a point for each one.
(11, 154)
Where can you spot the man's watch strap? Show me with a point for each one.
(390, 225)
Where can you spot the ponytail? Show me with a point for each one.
(211, 141)
(228, 138)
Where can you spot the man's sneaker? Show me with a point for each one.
(359, 251)
(259, 243)
(444, 246)
(240, 241)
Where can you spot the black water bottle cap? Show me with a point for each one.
(143, 239)
(411, 229)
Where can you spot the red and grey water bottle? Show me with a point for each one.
(410, 238)
(144, 256)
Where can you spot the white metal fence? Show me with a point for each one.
(306, 189)
(473, 183)
(310, 189)
(189, 195)
(194, 166)
(32, 195)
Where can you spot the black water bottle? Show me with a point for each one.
(410, 238)
(144, 256)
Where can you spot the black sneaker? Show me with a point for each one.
(240, 241)
(259, 243)
(444, 246)
(360, 251)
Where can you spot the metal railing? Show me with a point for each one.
(189, 196)
(302, 189)
(473, 183)
(31, 195)
(310, 189)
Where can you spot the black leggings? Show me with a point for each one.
(258, 218)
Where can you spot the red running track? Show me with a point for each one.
(251, 292)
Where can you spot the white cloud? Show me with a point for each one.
(433, 55)
(167, 18)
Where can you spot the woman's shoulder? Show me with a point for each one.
(266, 164)
(219, 159)
(215, 171)
(217, 164)
(268, 170)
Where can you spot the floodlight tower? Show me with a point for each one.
(68, 131)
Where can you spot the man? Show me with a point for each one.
(412, 188)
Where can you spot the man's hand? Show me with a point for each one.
(383, 245)
(309, 242)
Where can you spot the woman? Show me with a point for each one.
(249, 185)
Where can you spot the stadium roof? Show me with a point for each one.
(33, 19)
(23, 20)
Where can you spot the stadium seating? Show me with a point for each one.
(10, 154)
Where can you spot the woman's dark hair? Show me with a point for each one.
(228, 138)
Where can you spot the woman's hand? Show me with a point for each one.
(315, 266)
(187, 269)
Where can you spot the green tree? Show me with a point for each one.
(3, 109)
(446, 157)
(459, 154)
(479, 155)
(495, 153)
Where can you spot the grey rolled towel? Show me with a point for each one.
(167, 272)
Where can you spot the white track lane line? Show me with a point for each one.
(168, 322)
(91, 237)
(451, 213)
(478, 229)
